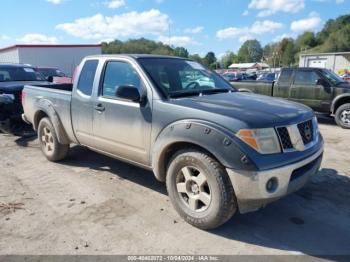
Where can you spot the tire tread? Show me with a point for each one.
(337, 115)
(228, 206)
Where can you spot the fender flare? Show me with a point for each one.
(212, 138)
(336, 99)
(46, 106)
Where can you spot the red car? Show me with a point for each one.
(346, 77)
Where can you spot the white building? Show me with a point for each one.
(249, 66)
(64, 57)
(333, 61)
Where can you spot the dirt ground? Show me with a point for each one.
(92, 204)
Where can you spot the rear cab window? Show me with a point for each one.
(87, 77)
(285, 77)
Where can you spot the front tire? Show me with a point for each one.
(342, 116)
(200, 189)
(50, 146)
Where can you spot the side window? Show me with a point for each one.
(87, 76)
(305, 78)
(285, 77)
(5, 76)
(119, 74)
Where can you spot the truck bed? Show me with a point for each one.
(258, 87)
(64, 87)
(59, 95)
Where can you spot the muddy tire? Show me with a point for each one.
(200, 189)
(50, 146)
(342, 116)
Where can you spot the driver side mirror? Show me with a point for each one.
(129, 92)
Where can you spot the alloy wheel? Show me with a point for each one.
(345, 117)
(193, 189)
(47, 140)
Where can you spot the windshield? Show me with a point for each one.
(331, 76)
(11, 74)
(178, 77)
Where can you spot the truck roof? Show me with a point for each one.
(305, 68)
(7, 65)
(135, 56)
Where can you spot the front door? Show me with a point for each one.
(306, 90)
(122, 128)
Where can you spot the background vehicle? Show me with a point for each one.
(13, 77)
(346, 77)
(320, 89)
(218, 150)
(50, 71)
(234, 76)
(250, 76)
(54, 75)
(267, 77)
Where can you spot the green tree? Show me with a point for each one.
(288, 52)
(196, 57)
(338, 41)
(228, 59)
(209, 59)
(181, 52)
(136, 46)
(306, 40)
(332, 26)
(250, 52)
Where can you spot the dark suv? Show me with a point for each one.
(13, 77)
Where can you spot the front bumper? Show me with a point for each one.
(251, 187)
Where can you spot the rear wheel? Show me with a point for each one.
(50, 146)
(199, 189)
(342, 116)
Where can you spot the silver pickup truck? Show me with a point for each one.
(218, 150)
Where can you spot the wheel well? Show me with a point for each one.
(340, 102)
(38, 116)
(170, 150)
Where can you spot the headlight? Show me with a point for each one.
(264, 140)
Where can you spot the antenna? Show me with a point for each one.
(169, 33)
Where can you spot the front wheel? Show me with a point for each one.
(50, 146)
(342, 116)
(200, 189)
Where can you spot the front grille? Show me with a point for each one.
(284, 137)
(306, 131)
(301, 133)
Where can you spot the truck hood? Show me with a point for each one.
(345, 85)
(257, 111)
(12, 87)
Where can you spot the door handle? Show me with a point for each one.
(100, 108)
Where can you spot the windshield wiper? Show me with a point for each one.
(199, 92)
(184, 94)
(215, 90)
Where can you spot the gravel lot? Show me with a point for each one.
(92, 204)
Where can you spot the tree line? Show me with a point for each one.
(334, 37)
